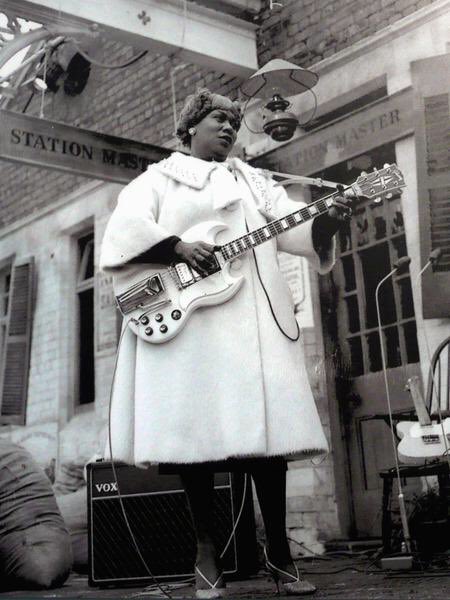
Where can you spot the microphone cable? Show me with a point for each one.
(119, 495)
(156, 583)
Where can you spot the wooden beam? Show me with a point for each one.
(197, 34)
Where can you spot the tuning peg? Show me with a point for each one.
(377, 200)
(386, 165)
(375, 170)
(389, 196)
(364, 173)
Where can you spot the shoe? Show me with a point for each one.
(215, 590)
(294, 585)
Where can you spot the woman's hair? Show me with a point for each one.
(198, 105)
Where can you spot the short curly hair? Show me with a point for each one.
(198, 105)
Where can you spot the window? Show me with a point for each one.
(368, 247)
(5, 287)
(85, 312)
(16, 293)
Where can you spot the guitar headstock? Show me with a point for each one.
(379, 183)
(414, 387)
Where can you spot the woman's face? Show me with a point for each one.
(215, 136)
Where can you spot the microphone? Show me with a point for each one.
(401, 262)
(433, 259)
(435, 256)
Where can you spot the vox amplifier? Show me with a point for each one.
(157, 513)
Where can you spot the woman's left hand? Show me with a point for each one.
(326, 225)
(341, 209)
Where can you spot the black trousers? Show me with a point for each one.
(232, 465)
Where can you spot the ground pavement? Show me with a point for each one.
(338, 577)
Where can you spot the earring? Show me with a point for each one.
(192, 131)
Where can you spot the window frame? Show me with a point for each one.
(6, 267)
(81, 285)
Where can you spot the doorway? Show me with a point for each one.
(367, 247)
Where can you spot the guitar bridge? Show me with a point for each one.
(140, 294)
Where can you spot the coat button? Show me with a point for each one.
(236, 264)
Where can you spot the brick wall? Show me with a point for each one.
(137, 102)
(307, 31)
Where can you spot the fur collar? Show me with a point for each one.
(196, 172)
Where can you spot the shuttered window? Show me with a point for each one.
(16, 293)
(5, 286)
(432, 138)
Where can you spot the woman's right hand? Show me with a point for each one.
(198, 255)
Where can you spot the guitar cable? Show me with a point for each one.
(116, 480)
(341, 189)
(156, 583)
(292, 339)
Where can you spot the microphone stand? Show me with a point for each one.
(289, 179)
(401, 499)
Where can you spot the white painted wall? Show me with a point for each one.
(50, 408)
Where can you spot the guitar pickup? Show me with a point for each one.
(186, 275)
(430, 439)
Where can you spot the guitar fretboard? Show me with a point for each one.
(254, 238)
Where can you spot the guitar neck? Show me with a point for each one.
(370, 185)
(276, 227)
(419, 404)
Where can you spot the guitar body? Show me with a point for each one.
(162, 315)
(420, 442)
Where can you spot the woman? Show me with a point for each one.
(231, 390)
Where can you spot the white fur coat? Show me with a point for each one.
(230, 384)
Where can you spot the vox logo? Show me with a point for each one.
(106, 487)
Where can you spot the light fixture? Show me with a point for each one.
(276, 79)
(39, 85)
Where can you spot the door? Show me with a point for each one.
(367, 248)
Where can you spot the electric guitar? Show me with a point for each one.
(159, 300)
(421, 439)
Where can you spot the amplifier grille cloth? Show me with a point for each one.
(162, 528)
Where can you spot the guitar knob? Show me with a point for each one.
(163, 329)
(159, 317)
(144, 320)
(176, 314)
(148, 331)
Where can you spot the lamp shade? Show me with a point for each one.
(279, 76)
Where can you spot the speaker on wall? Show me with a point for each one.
(156, 509)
